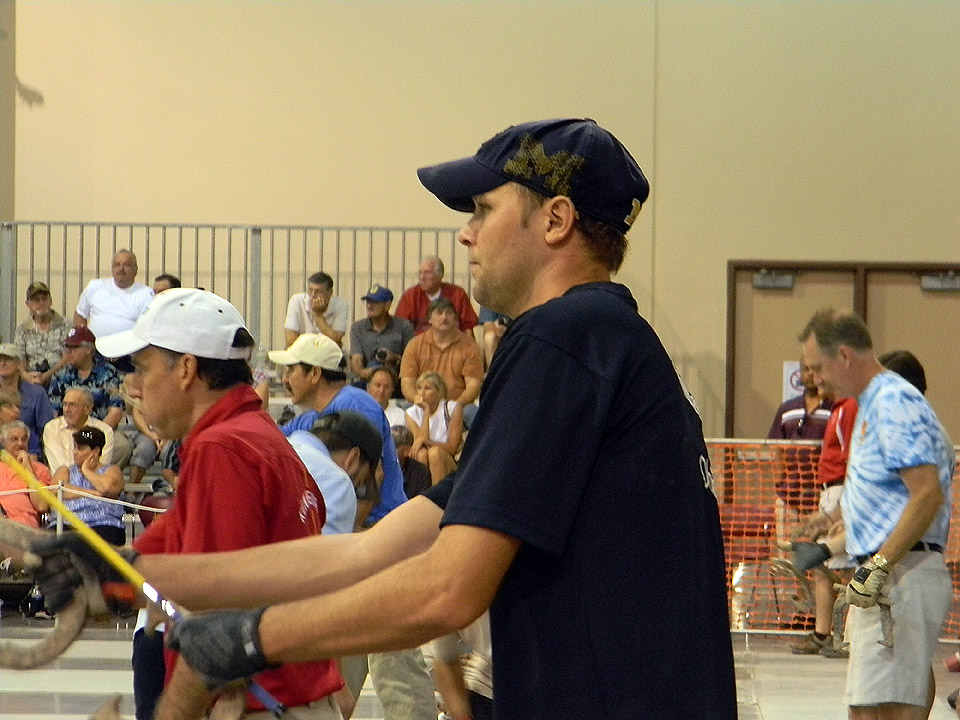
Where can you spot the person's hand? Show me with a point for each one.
(63, 559)
(90, 464)
(34, 377)
(865, 586)
(807, 555)
(815, 525)
(26, 459)
(221, 646)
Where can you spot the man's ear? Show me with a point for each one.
(185, 370)
(561, 216)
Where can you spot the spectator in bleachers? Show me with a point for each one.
(165, 281)
(40, 337)
(35, 408)
(89, 475)
(379, 339)
(9, 406)
(416, 475)
(144, 440)
(317, 311)
(437, 426)
(381, 388)
(86, 369)
(58, 433)
(414, 304)
(801, 418)
(494, 326)
(21, 507)
(110, 305)
(445, 350)
(313, 373)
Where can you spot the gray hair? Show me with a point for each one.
(87, 395)
(9, 427)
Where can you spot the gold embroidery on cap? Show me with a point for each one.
(532, 161)
(634, 211)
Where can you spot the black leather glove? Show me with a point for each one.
(221, 646)
(59, 575)
(807, 555)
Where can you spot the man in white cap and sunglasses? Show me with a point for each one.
(241, 483)
(594, 538)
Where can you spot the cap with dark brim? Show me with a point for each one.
(455, 183)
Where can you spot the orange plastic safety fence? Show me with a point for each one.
(765, 489)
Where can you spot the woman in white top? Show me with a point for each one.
(437, 426)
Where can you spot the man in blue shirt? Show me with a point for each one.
(896, 515)
(35, 408)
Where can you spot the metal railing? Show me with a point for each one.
(256, 268)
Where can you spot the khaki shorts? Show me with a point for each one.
(323, 709)
(920, 592)
(829, 504)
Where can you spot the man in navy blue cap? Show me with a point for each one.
(378, 339)
(593, 537)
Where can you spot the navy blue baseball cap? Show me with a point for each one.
(378, 293)
(572, 157)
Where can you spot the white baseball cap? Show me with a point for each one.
(185, 320)
(312, 349)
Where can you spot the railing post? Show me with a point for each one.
(8, 281)
(256, 284)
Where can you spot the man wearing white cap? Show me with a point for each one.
(241, 483)
(313, 375)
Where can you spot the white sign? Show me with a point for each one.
(792, 384)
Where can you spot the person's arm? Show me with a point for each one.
(420, 430)
(926, 497)
(430, 594)
(40, 473)
(454, 430)
(289, 336)
(144, 427)
(296, 569)
(471, 390)
(358, 369)
(79, 320)
(327, 329)
(448, 676)
(113, 417)
(108, 483)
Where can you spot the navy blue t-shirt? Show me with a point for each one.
(587, 449)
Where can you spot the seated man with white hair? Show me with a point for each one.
(58, 433)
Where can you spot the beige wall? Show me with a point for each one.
(778, 130)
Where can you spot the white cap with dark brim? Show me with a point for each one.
(185, 320)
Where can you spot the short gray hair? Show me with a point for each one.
(9, 427)
(87, 395)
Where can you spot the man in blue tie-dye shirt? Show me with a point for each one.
(896, 514)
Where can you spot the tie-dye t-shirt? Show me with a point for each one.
(896, 428)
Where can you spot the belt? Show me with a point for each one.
(832, 483)
(919, 547)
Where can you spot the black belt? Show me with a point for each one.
(919, 547)
(832, 483)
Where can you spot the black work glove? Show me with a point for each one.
(59, 574)
(807, 555)
(221, 646)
